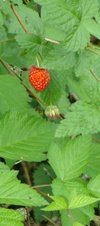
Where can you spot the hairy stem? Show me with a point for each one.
(26, 171)
(18, 18)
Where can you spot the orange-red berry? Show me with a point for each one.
(39, 78)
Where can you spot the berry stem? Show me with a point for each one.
(13, 73)
(37, 61)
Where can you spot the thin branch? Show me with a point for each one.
(6, 66)
(26, 171)
(18, 18)
(94, 75)
(49, 220)
(41, 186)
(42, 193)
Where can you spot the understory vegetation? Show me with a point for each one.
(50, 112)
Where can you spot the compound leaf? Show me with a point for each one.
(66, 162)
(10, 217)
(25, 136)
(82, 118)
(14, 193)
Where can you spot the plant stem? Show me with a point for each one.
(42, 193)
(49, 220)
(26, 171)
(37, 62)
(18, 18)
(42, 186)
(10, 70)
(94, 75)
(6, 66)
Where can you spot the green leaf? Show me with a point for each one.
(93, 28)
(5, 6)
(94, 186)
(74, 43)
(89, 8)
(52, 10)
(78, 201)
(77, 195)
(12, 95)
(3, 36)
(54, 34)
(63, 103)
(65, 218)
(66, 162)
(93, 166)
(42, 176)
(84, 80)
(51, 95)
(58, 58)
(82, 118)
(78, 215)
(59, 204)
(14, 193)
(1, 19)
(72, 16)
(18, 2)
(68, 187)
(77, 224)
(32, 43)
(25, 136)
(29, 18)
(10, 217)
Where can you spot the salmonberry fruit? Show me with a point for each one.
(39, 78)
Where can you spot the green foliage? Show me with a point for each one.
(15, 193)
(62, 155)
(94, 185)
(73, 17)
(43, 176)
(12, 95)
(10, 217)
(58, 204)
(82, 118)
(23, 137)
